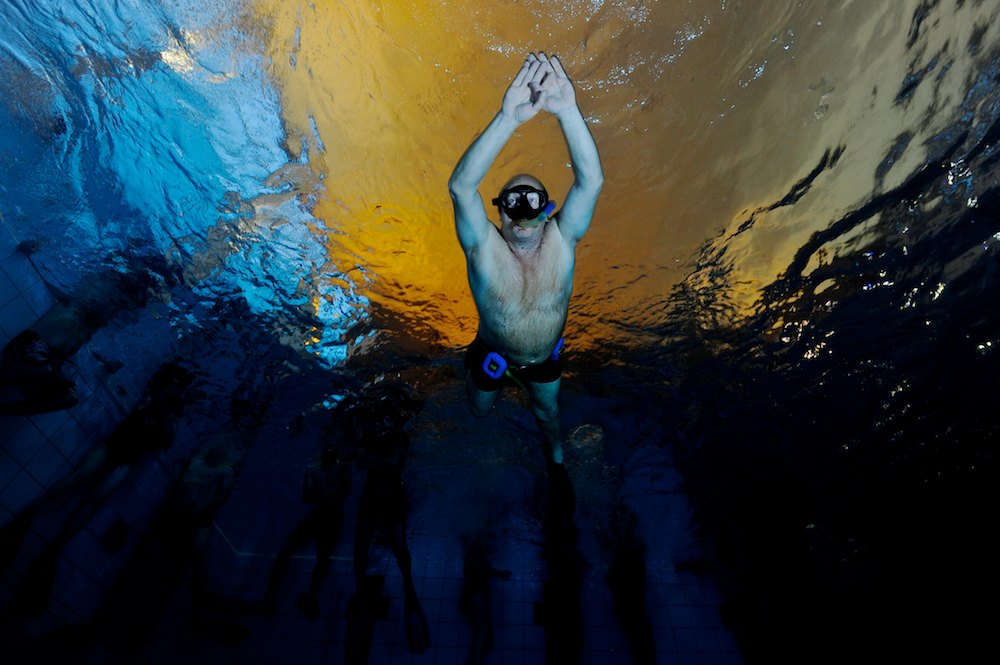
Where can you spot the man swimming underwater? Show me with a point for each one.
(522, 275)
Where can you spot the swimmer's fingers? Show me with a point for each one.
(540, 69)
(558, 68)
(519, 100)
(522, 75)
(529, 74)
(552, 77)
(536, 66)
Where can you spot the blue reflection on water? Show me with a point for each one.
(123, 135)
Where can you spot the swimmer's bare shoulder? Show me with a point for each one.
(490, 262)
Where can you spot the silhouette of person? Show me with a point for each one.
(203, 490)
(325, 486)
(378, 420)
(521, 274)
(560, 611)
(177, 540)
(627, 581)
(474, 601)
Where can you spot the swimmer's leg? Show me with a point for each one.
(545, 406)
(481, 401)
(417, 633)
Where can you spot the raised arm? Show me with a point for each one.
(522, 101)
(559, 98)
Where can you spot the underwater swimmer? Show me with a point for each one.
(521, 275)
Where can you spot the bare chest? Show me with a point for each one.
(523, 300)
(533, 283)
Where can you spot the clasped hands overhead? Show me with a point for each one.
(541, 84)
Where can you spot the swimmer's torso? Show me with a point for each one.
(522, 301)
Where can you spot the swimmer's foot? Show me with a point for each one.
(555, 452)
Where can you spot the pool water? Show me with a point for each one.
(780, 362)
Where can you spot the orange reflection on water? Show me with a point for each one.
(396, 92)
(702, 111)
(391, 115)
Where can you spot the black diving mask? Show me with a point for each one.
(522, 201)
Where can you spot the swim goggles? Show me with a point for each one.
(523, 202)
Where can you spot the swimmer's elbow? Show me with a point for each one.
(594, 181)
(589, 186)
(459, 187)
(459, 182)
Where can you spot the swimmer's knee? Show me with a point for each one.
(480, 403)
(479, 411)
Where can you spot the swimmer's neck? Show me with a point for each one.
(524, 247)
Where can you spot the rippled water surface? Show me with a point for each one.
(297, 151)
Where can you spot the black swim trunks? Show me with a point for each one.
(544, 372)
